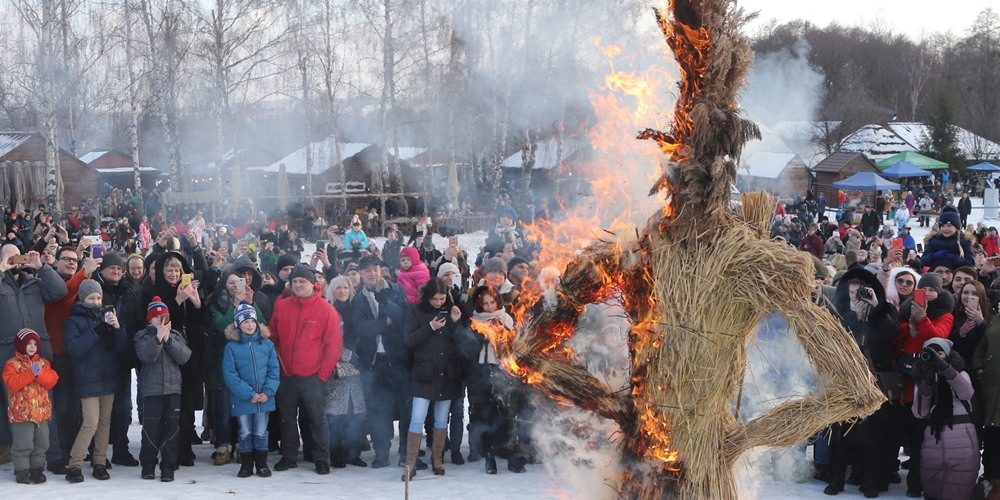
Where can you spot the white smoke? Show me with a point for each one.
(783, 86)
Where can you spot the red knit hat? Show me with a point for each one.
(23, 337)
(156, 308)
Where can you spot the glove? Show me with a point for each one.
(924, 373)
(937, 362)
(382, 297)
(943, 254)
(36, 368)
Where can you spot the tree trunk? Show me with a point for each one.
(133, 100)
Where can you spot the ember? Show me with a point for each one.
(691, 322)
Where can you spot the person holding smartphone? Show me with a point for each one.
(972, 314)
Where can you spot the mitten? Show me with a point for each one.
(36, 368)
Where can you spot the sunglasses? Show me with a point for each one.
(904, 281)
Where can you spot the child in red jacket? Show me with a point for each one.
(29, 378)
(990, 244)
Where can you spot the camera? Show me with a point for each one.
(924, 356)
(865, 293)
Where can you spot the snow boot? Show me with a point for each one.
(246, 465)
(22, 477)
(260, 460)
(222, 456)
(37, 475)
(412, 448)
(437, 451)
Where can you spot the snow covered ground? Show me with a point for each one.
(461, 482)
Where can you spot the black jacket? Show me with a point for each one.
(877, 334)
(965, 206)
(869, 223)
(367, 329)
(438, 368)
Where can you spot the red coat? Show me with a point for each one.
(306, 333)
(28, 395)
(926, 330)
(991, 246)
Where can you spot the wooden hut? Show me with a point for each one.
(80, 181)
(115, 169)
(783, 174)
(839, 166)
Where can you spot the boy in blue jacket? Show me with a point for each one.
(250, 367)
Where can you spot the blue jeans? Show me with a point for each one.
(420, 407)
(253, 424)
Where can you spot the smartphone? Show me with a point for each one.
(198, 275)
(920, 248)
(321, 245)
(241, 285)
(93, 240)
(97, 251)
(109, 311)
(186, 280)
(456, 280)
(920, 297)
(897, 243)
(442, 314)
(453, 240)
(20, 259)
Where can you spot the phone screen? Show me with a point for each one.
(241, 285)
(197, 275)
(920, 297)
(97, 251)
(109, 311)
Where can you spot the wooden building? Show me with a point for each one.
(80, 181)
(115, 169)
(839, 166)
(782, 174)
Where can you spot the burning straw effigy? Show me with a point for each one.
(695, 285)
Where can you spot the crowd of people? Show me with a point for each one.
(279, 349)
(924, 315)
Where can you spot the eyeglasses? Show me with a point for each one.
(68, 259)
(904, 281)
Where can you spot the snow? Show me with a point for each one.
(92, 156)
(972, 145)
(547, 156)
(767, 164)
(324, 156)
(9, 141)
(876, 142)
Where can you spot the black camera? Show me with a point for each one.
(925, 356)
(865, 293)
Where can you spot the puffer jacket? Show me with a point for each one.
(161, 361)
(438, 368)
(22, 305)
(306, 335)
(95, 348)
(413, 278)
(938, 323)
(250, 366)
(28, 395)
(987, 359)
(949, 466)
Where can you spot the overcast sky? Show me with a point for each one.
(910, 17)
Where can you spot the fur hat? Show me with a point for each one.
(930, 280)
(156, 308)
(447, 267)
(949, 215)
(24, 336)
(285, 261)
(495, 264)
(243, 312)
(944, 344)
(303, 271)
(112, 259)
(88, 287)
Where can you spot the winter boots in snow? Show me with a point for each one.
(412, 448)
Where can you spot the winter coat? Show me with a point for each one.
(160, 374)
(965, 346)
(812, 244)
(949, 466)
(370, 329)
(954, 250)
(991, 245)
(250, 366)
(95, 348)
(22, 305)
(412, 279)
(833, 247)
(987, 359)
(28, 395)
(877, 333)
(438, 369)
(344, 392)
(355, 240)
(965, 206)
(306, 334)
(937, 323)
(218, 340)
(56, 313)
(869, 223)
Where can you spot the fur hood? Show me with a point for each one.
(944, 304)
(891, 292)
(235, 336)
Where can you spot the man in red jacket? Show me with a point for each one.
(305, 330)
(990, 244)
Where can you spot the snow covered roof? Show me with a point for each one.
(118, 170)
(973, 146)
(768, 165)
(769, 142)
(324, 155)
(548, 153)
(94, 155)
(876, 142)
(10, 141)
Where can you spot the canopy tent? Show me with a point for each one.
(985, 167)
(868, 181)
(917, 159)
(905, 169)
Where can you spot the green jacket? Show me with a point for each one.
(987, 359)
(220, 321)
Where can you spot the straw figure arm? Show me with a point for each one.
(850, 390)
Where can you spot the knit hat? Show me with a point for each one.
(156, 308)
(930, 280)
(447, 267)
(88, 287)
(303, 271)
(410, 252)
(112, 259)
(243, 312)
(285, 261)
(949, 215)
(507, 211)
(355, 220)
(944, 344)
(24, 336)
(516, 261)
(495, 264)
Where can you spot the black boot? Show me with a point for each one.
(167, 475)
(74, 475)
(246, 465)
(57, 467)
(37, 475)
(22, 477)
(148, 471)
(284, 464)
(260, 460)
(101, 473)
(491, 463)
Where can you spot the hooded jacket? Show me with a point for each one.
(306, 334)
(250, 366)
(95, 347)
(28, 395)
(22, 305)
(877, 333)
(413, 278)
(160, 374)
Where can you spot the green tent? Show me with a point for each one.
(914, 158)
